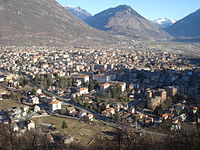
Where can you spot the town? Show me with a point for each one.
(150, 91)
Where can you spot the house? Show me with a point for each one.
(102, 78)
(15, 127)
(83, 91)
(83, 78)
(25, 108)
(30, 125)
(90, 117)
(3, 92)
(154, 102)
(108, 112)
(82, 114)
(71, 110)
(104, 87)
(2, 78)
(166, 116)
(55, 105)
(123, 86)
(39, 91)
(87, 100)
(36, 108)
(77, 83)
(111, 110)
(33, 100)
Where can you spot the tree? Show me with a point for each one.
(64, 125)
(158, 110)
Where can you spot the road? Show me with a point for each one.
(97, 116)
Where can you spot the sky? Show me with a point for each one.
(150, 9)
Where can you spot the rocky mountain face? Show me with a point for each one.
(186, 27)
(78, 12)
(44, 22)
(164, 22)
(123, 20)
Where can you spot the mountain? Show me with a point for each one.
(78, 12)
(123, 20)
(164, 22)
(186, 27)
(44, 22)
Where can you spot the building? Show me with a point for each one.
(83, 91)
(34, 100)
(102, 78)
(154, 102)
(83, 78)
(90, 117)
(30, 125)
(55, 105)
(172, 91)
(71, 110)
(123, 86)
(104, 87)
(2, 78)
(3, 92)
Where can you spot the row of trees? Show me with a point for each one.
(123, 139)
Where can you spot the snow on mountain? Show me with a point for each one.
(164, 22)
(78, 12)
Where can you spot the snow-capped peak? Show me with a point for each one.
(164, 22)
(78, 12)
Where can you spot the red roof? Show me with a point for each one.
(55, 102)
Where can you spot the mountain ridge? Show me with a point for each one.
(186, 27)
(164, 22)
(45, 22)
(123, 20)
(78, 12)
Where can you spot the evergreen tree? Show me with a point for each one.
(64, 125)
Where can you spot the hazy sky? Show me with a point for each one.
(151, 9)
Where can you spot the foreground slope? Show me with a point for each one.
(44, 22)
(123, 20)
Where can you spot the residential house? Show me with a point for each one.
(90, 117)
(83, 78)
(36, 108)
(82, 114)
(83, 91)
(33, 100)
(55, 105)
(102, 78)
(2, 78)
(71, 110)
(30, 125)
(104, 87)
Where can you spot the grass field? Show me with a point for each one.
(82, 132)
(7, 103)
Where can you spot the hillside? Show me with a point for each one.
(44, 22)
(123, 20)
(186, 27)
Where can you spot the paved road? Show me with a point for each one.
(104, 119)
(98, 116)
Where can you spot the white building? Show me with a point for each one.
(102, 78)
(31, 125)
(83, 78)
(36, 108)
(34, 100)
(83, 91)
(55, 105)
(104, 86)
